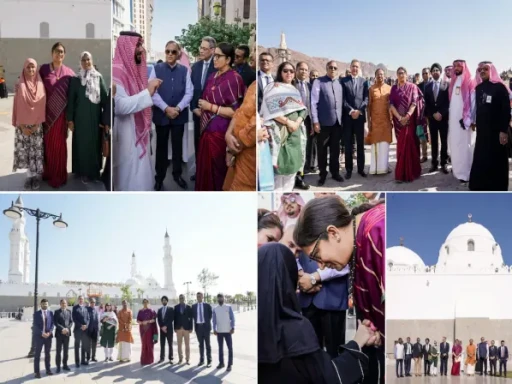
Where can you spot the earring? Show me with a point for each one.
(338, 239)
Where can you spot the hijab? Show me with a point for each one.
(90, 79)
(30, 98)
(282, 330)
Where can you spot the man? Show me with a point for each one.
(93, 330)
(183, 326)
(124, 333)
(437, 105)
(265, 76)
(326, 114)
(289, 210)
(242, 53)
(170, 113)
(63, 322)
(201, 70)
(304, 88)
(42, 333)
(425, 74)
(223, 328)
(81, 319)
(417, 354)
(448, 73)
(202, 313)
(399, 357)
(132, 160)
(416, 78)
(482, 352)
(503, 358)
(426, 360)
(355, 101)
(444, 351)
(407, 357)
(490, 169)
(493, 358)
(165, 318)
(459, 123)
(313, 75)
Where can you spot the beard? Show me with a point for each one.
(138, 59)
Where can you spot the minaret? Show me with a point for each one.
(26, 264)
(133, 272)
(282, 51)
(168, 283)
(18, 241)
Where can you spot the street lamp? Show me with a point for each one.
(14, 212)
(187, 284)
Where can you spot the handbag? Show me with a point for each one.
(265, 169)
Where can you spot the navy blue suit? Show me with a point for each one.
(444, 348)
(42, 326)
(93, 330)
(165, 321)
(81, 317)
(503, 360)
(203, 330)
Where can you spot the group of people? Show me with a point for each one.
(49, 102)
(315, 261)
(429, 356)
(110, 327)
(220, 91)
(309, 119)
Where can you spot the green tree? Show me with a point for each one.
(126, 294)
(106, 298)
(71, 301)
(217, 28)
(207, 279)
(355, 200)
(250, 298)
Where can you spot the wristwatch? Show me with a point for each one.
(179, 109)
(313, 280)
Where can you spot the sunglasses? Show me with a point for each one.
(290, 200)
(288, 71)
(333, 68)
(174, 52)
(483, 69)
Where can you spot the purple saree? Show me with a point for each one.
(147, 332)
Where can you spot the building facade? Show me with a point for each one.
(121, 18)
(143, 20)
(234, 11)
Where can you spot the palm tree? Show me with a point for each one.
(250, 296)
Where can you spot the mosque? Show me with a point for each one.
(464, 295)
(17, 290)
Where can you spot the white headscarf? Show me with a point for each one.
(91, 80)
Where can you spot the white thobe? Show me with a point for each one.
(459, 140)
(131, 173)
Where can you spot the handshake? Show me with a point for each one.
(367, 334)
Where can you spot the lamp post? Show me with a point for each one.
(14, 212)
(187, 283)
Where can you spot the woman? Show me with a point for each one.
(456, 358)
(406, 105)
(241, 142)
(29, 112)
(222, 95)
(270, 228)
(87, 98)
(334, 237)
(108, 321)
(283, 114)
(148, 333)
(470, 358)
(56, 77)
(434, 356)
(288, 349)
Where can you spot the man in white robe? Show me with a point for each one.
(459, 125)
(132, 166)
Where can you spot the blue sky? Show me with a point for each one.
(207, 230)
(425, 220)
(411, 33)
(169, 18)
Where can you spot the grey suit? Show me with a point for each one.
(261, 88)
(311, 153)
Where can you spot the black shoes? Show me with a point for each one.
(66, 368)
(158, 185)
(228, 368)
(200, 363)
(444, 169)
(182, 183)
(348, 176)
(321, 182)
(209, 364)
(220, 366)
(338, 178)
(193, 177)
(300, 183)
(362, 174)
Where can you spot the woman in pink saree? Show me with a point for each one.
(146, 318)
(222, 95)
(456, 358)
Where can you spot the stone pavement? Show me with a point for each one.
(10, 181)
(15, 368)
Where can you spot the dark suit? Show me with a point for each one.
(196, 76)
(80, 317)
(407, 359)
(311, 139)
(63, 320)
(261, 88)
(426, 351)
(417, 353)
(247, 73)
(493, 358)
(503, 359)
(444, 348)
(92, 332)
(203, 330)
(183, 327)
(106, 117)
(432, 106)
(165, 321)
(355, 93)
(42, 326)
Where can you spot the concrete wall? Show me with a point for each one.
(14, 52)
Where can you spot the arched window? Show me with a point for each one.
(471, 245)
(89, 31)
(44, 30)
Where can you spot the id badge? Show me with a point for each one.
(488, 100)
(457, 90)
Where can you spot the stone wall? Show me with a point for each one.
(14, 52)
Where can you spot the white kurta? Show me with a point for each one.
(130, 172)
(459, 140)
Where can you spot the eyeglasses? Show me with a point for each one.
(174, 52)
(288, 71)
(313, 255)
(333, 68)
(265, 60)
(400, 73)
(217, 56)
(59, 51)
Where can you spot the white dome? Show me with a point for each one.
(403, 256)
(470, 231)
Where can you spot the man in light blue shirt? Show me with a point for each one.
(223, 328)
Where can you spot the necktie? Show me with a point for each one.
(436, 90)
(163, 312)
(268, 80)
(44, 321)
(354, 85)
(205, 70)
(201, 313)
(303, 93)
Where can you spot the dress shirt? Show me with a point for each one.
(206, 66)
(408, 350)
(200, 313)
(327, 274)
(266, 79)
(185, 101)
(164, 310)
(399, 351)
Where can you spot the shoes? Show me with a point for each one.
(220, 366)
(85, 363)
(301, 184)
(200, 363)
(338, 178)
(193, 178)
(58, 370)
(182, 183)
(321, 182)
(37, 375)
(187, 362)
(66, 368)
(158, 185)
(180, 361)
(209, 364)
(49, 373)
(228, 368)
(348, 176)
(432, 169)
(94, 359)
(362, 174)
(106, 360)
(423, 160)
(160, 361)
(445, 171)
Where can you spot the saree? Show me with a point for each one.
(456, 351)
(147, 334)
(408, 166)
(56, 84)
(241, 175)
(225, 90)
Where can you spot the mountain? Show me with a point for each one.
(319, 63)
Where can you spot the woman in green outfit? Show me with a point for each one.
(434, 355)
(108, 331)
(283, 114)
(87, 97)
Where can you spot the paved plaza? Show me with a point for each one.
(15, 368)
